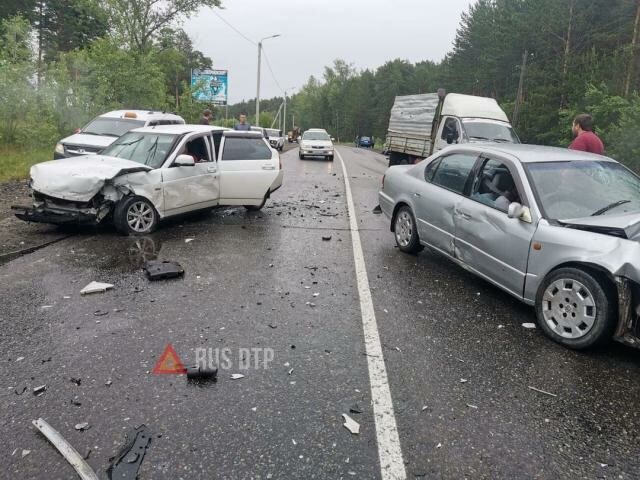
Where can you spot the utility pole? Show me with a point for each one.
(258, 87)
(284, 116)
(633, 59)
(523, 69)
(567, 51)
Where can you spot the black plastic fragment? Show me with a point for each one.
(161, 269)
(201, 373)
(126, 463)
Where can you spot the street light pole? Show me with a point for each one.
(258, 87)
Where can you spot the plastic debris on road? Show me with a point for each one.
(530, 326)
(82, 426)
(236, 376)
(162, 269)
(96, 287)
(350, 424)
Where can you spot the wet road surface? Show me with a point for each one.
(458, 362)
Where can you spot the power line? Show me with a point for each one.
(234, 28)
(266, 58)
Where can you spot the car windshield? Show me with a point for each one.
(146, 148)
(315, 136)
(584, 188)
(273, 133)
(112, 127)
(489, 131)
(364, 139)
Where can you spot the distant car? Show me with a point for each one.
(152, 173)
(276, 138)
(316, 142)
(103, 130)
(263, 131)
(364, 142)
(555, 228)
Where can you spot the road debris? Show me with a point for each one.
(355, 408)
(162, 269)
(439, 445)
(25, 452)
(126, 463)
(189, 240)
(82, 426)
(350, 424)
(96, 287)
(68, 452)
(529, 326)
(326, 238)
(202, 373)
(463, 380)
(472, 406)
(542, 391)
(39, 390)
(101, 313)
(236, 376)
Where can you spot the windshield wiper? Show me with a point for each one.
(501, 140)
(478, 138)
(129, 143)
(609, 207)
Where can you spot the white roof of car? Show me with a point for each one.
(144, 115)
(316, 130)
(180, 129)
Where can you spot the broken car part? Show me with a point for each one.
(126, 463)
(201, 373)
(161, 269)
(68, 452)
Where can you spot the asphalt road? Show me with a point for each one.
(459, 363)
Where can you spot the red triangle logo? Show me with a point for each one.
(169, 363)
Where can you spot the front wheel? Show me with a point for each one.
(406, 232)
(330, 158)
(135, 216)
(575, 308)
(300, 156)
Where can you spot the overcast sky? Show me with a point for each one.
(366, 33)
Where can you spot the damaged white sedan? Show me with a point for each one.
(152, 173)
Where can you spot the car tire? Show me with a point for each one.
(135, 215)
(405, 230)
(575, 308)
(255, 208)
(300, 156)
(330, 158)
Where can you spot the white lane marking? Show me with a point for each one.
(389, 451)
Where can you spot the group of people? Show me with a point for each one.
(242, 125)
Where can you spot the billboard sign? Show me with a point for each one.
(210, 86)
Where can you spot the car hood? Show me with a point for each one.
(79, 178)
(99, 141)
(625, 225)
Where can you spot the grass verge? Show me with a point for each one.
(15, 162)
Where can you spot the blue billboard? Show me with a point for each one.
(210, 86)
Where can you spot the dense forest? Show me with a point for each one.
(64, 61)
(572, 56)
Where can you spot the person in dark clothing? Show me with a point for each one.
(243, 125)
(206, 117)
(585, 140)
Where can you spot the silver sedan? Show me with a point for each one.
(555, 228)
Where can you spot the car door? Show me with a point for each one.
(438, 195)
(187, 188)
(487, 240)
(249, 168)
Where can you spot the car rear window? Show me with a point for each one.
(245, 149)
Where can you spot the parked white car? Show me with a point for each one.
(103, 130)
(316, 142)
(276, 138)
(155, 172)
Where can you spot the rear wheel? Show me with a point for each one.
(135, 216)
(575, 308)
(405, 231)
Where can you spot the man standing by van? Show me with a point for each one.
(585, 140)
(243, 125)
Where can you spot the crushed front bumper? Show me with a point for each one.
(54, 216)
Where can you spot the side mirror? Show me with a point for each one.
(450, 138)
(184, 161)
(516, 210)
